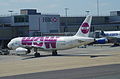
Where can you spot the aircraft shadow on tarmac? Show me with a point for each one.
(67, 55)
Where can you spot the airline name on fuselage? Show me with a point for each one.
(49, 42)
(112, 34)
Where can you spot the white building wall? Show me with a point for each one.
(34, 23)
(44, 24)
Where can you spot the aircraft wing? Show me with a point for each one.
(114, 39)
(84, 42)
(111, 38)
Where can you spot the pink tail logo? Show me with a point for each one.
(85, 28)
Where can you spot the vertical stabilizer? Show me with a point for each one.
(85, 27)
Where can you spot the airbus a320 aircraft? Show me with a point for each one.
(112, 36)
(53, 43)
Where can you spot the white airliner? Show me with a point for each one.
(112, 36)
(115, 34)
(53, 43)
(109, 37)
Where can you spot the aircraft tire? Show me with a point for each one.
(28, 51)
(37, 54)
(54, 53)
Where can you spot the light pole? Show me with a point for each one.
(10, 12)
(11, 21)
(66, 9)
(65, 28)
(87, 12)
(98, 7)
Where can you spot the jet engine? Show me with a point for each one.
(101, 40)
(21, 51)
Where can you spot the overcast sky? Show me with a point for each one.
(76, 7)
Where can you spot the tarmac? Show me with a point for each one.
(95, 72)
(67, 59)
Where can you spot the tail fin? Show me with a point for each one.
(102, 33)
(85, 27)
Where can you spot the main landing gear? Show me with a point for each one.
(36, 53)
(54, 53)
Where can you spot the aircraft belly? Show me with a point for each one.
(66, 46)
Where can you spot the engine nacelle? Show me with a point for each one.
(101, 40)
(21, 50)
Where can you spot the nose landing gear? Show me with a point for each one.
(36, 53)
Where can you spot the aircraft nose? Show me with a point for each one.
(9, 45)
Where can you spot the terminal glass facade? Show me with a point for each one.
(21, 18)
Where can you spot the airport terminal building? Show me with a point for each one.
(31, 23)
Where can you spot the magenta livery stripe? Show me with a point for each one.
(40, 41)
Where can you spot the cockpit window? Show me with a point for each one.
(15, 42)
